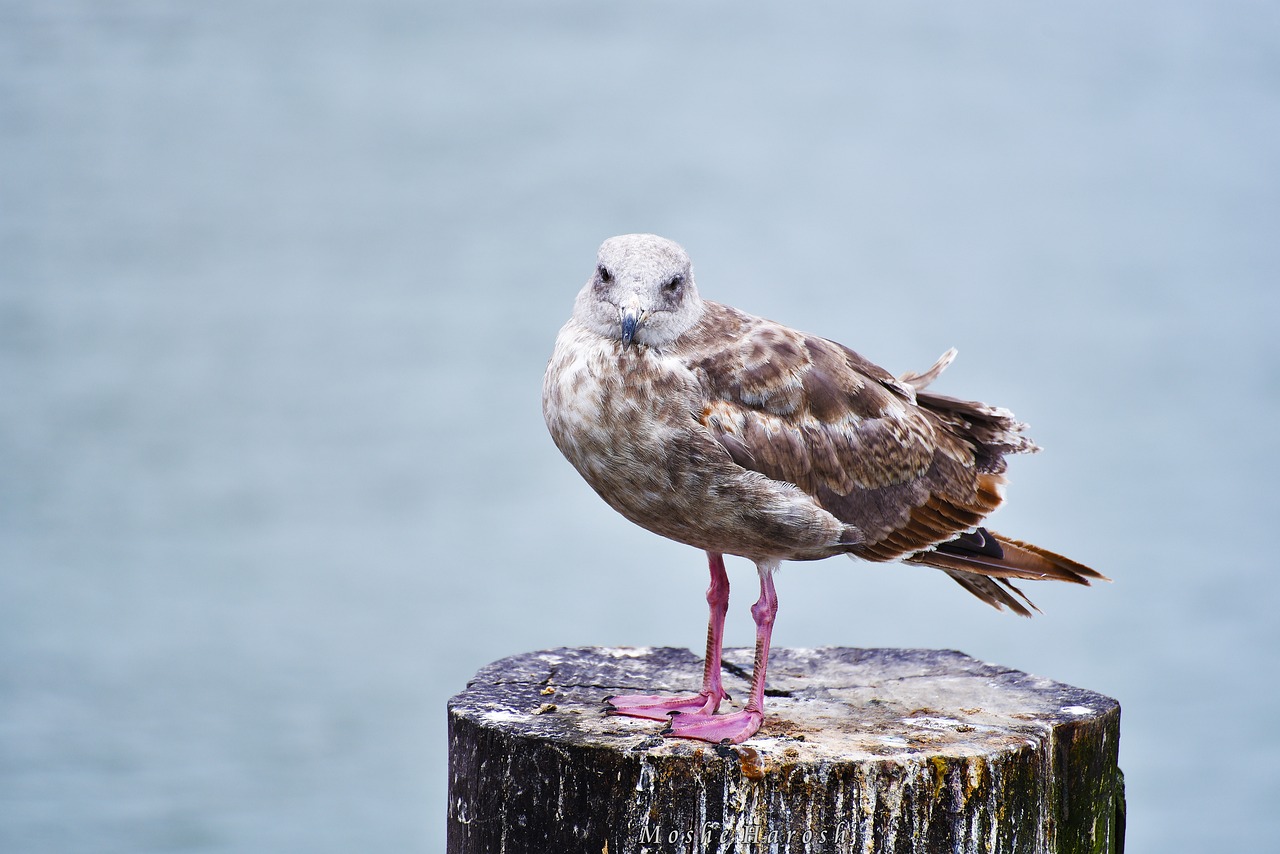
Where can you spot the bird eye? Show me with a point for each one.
(605, 275)
(673, 285)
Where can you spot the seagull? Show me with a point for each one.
(740, 436)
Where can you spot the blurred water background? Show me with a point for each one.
(278, 283)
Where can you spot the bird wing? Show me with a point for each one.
(915, 472)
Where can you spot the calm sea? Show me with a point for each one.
(278, 283)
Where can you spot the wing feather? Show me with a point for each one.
(911, 470)
(814, 413)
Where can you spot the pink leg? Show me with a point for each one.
(739, 726)
(659, 707)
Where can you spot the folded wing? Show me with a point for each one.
(916, 472)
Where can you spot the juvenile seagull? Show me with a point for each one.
(737, 435)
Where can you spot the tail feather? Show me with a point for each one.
(1062, 568)
(979, 559)
(991, 591)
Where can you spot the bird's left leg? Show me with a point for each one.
(659, 707)
(737, 727)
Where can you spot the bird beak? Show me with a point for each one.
(629, 323)
(631, 317)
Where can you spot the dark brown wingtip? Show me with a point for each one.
(983, 562)
(1066, 569)
(988, 553)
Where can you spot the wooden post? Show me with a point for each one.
(862, 750)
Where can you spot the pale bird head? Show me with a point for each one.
(640, 292)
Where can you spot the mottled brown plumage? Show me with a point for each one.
(738, 435)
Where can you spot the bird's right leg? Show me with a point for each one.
(659, 707)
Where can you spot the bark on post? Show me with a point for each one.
(866, 750)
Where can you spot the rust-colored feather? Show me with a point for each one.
(1009, 558)
(1013, 559)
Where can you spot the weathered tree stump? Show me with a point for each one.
(866, 750)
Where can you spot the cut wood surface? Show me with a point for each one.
(866, 750)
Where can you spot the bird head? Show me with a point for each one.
(641, 291)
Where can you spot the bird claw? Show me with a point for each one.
(733, 728)
(659, 707)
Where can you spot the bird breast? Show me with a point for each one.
(608, 408)
(626, 418)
